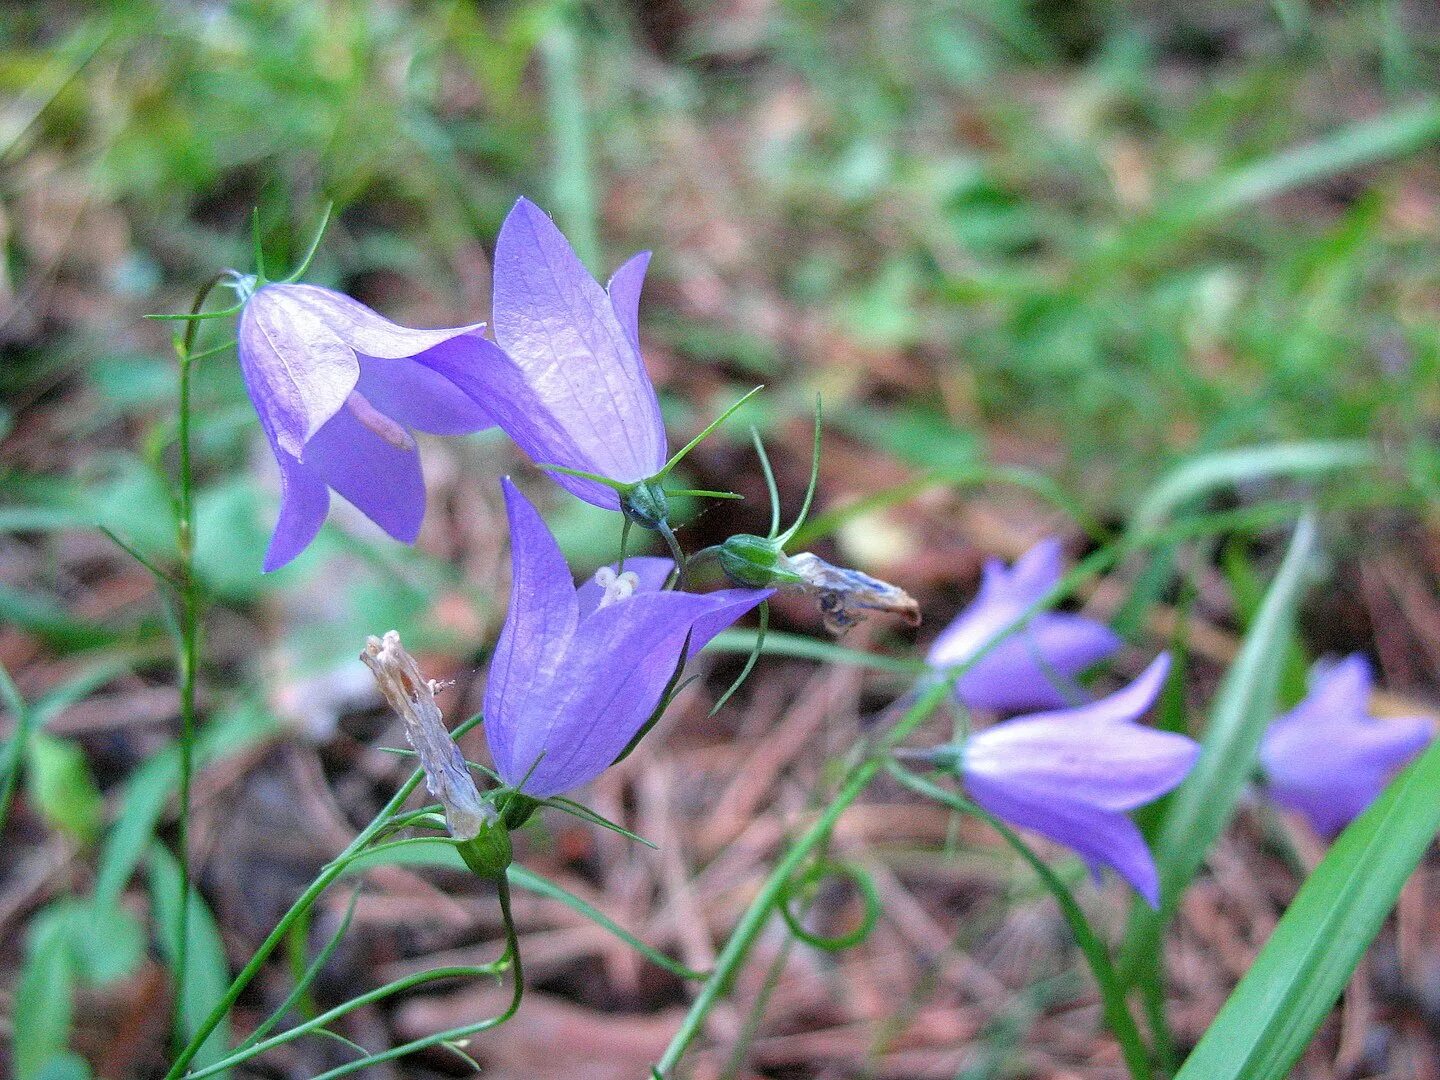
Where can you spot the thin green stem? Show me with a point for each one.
(770, 486)
(680, 454)
(799, 522)
(1112, 994)
(189, 645)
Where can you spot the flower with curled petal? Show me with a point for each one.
(339, 389)
(1035, 666)
(1328, 758)
(578, 674)
(1071, 775)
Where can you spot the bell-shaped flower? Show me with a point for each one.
(1328, 758)
(1034, 667)
(338, 390)
(1072, 775)
(576, 393)
(577, 674)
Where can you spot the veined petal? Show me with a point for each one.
(1101, 837)
(1035, 667)
(651, 572)
(297, 371)
(561, 329)
(538, 629)
(362, 329)
(418, 393)
(1111, 766)
(616, 669)
(381, 480)
(624, 289)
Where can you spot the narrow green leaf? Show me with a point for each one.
(1244, 706)
(61, 788)
(207, 971)
(1202, 475)
(44, 1005)
(777, 643)
(1273, 1014)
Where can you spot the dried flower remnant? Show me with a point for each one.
(1327, 759)
(1071, 775)
(412, 696)
(578, 673)
(338, 390)
(847, 596)
(1036, 665)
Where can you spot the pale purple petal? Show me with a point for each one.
(538, 628)
(365, 331)
(1125, 705)
(1035, 667)
(304, 502)
(1328, 758)
(297, 371)
(624, 289)
(381, 480)
(1101, 837)
(416, 393)
(651, 572)
(1034, 574)
(618, 665)
(562, 331)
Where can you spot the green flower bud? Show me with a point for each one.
(488, 852)
(645, 504)
(754, 562)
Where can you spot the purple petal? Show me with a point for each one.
(365, 331)
(1123, 706)
(417, 393)
(1101, 837)
(1035, 573)
(381, 480)
(538, 629)
(561, 330)
(616, 669)
(297, 371)
(624, 289)
(1035, 667)
(651, 572)
(304, 502)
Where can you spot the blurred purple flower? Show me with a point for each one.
(1328, 758)
(1071, 775)
(338, 389)
(576, 392)
(577, 673)
(1035, 666)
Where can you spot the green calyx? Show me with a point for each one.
(645, 504)
(488, 853)
(755, 562)
(516, 809)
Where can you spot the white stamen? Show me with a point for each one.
(378, 422)
(617, 586)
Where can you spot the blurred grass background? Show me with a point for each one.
(1094, 239)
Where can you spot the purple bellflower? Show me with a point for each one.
(1071, 775)
(1328, 758)
(575, 393)
(1034, 667)
(577, 674)
(338, 390)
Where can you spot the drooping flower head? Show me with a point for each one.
(1071, 775)
(1328, 758)
(338, 390)
(577, 673)
(1035, 666)
(576, 393)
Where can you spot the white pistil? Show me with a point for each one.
(617, 586)
(376, 421)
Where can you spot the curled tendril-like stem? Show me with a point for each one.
(815, 873)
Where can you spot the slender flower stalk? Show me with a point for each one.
(1035, 667)
(576, 674)
(1328, 758)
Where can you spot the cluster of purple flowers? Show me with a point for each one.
(579, 674)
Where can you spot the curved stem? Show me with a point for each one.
(1112, 994)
